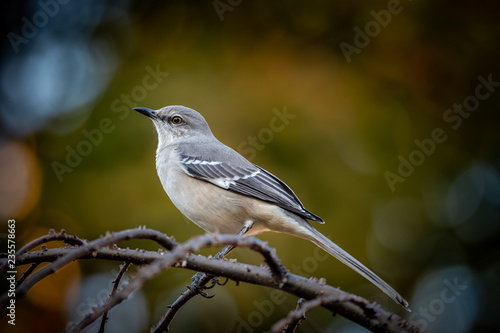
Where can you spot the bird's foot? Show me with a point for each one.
(196, 287)
(199, 290)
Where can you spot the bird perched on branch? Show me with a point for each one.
(221, 191)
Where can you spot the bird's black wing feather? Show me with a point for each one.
(245, 178)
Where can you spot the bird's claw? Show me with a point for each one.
(221, 283)
(199, 289)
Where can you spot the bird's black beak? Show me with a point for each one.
(147, 112)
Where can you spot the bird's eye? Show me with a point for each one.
(176, 120)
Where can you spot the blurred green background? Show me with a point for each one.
(359, 83)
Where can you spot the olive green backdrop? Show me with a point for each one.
(382, 116)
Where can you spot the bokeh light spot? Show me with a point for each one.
(20, 179)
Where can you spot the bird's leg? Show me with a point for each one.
(198, 277)
(228, 248)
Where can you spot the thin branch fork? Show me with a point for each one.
(52, 236)
(350, 306)
(116, 282)
(294, 318)
(88, 248)
(179, 254)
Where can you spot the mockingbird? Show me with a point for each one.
(222, 192)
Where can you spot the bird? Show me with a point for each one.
(222, 192)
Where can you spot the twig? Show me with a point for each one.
(87, 248)
(292, 325)
(26, 274)
(294, 317)
(21, 280)
(52, 236)
(123, 269)
(115, 254)
(164, 323)
(350, 306)
(179, 254)
(201, 279)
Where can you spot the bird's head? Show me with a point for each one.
(177, 122)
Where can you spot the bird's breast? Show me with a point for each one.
(210, 207)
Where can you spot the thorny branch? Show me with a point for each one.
(179, 255)
(52, 236)
(151, 264)
(116, 282)
(292, 321)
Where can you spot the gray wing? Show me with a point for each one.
(231, 171)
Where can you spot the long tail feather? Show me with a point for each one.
(336, 251)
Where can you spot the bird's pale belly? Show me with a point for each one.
(211, 208)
